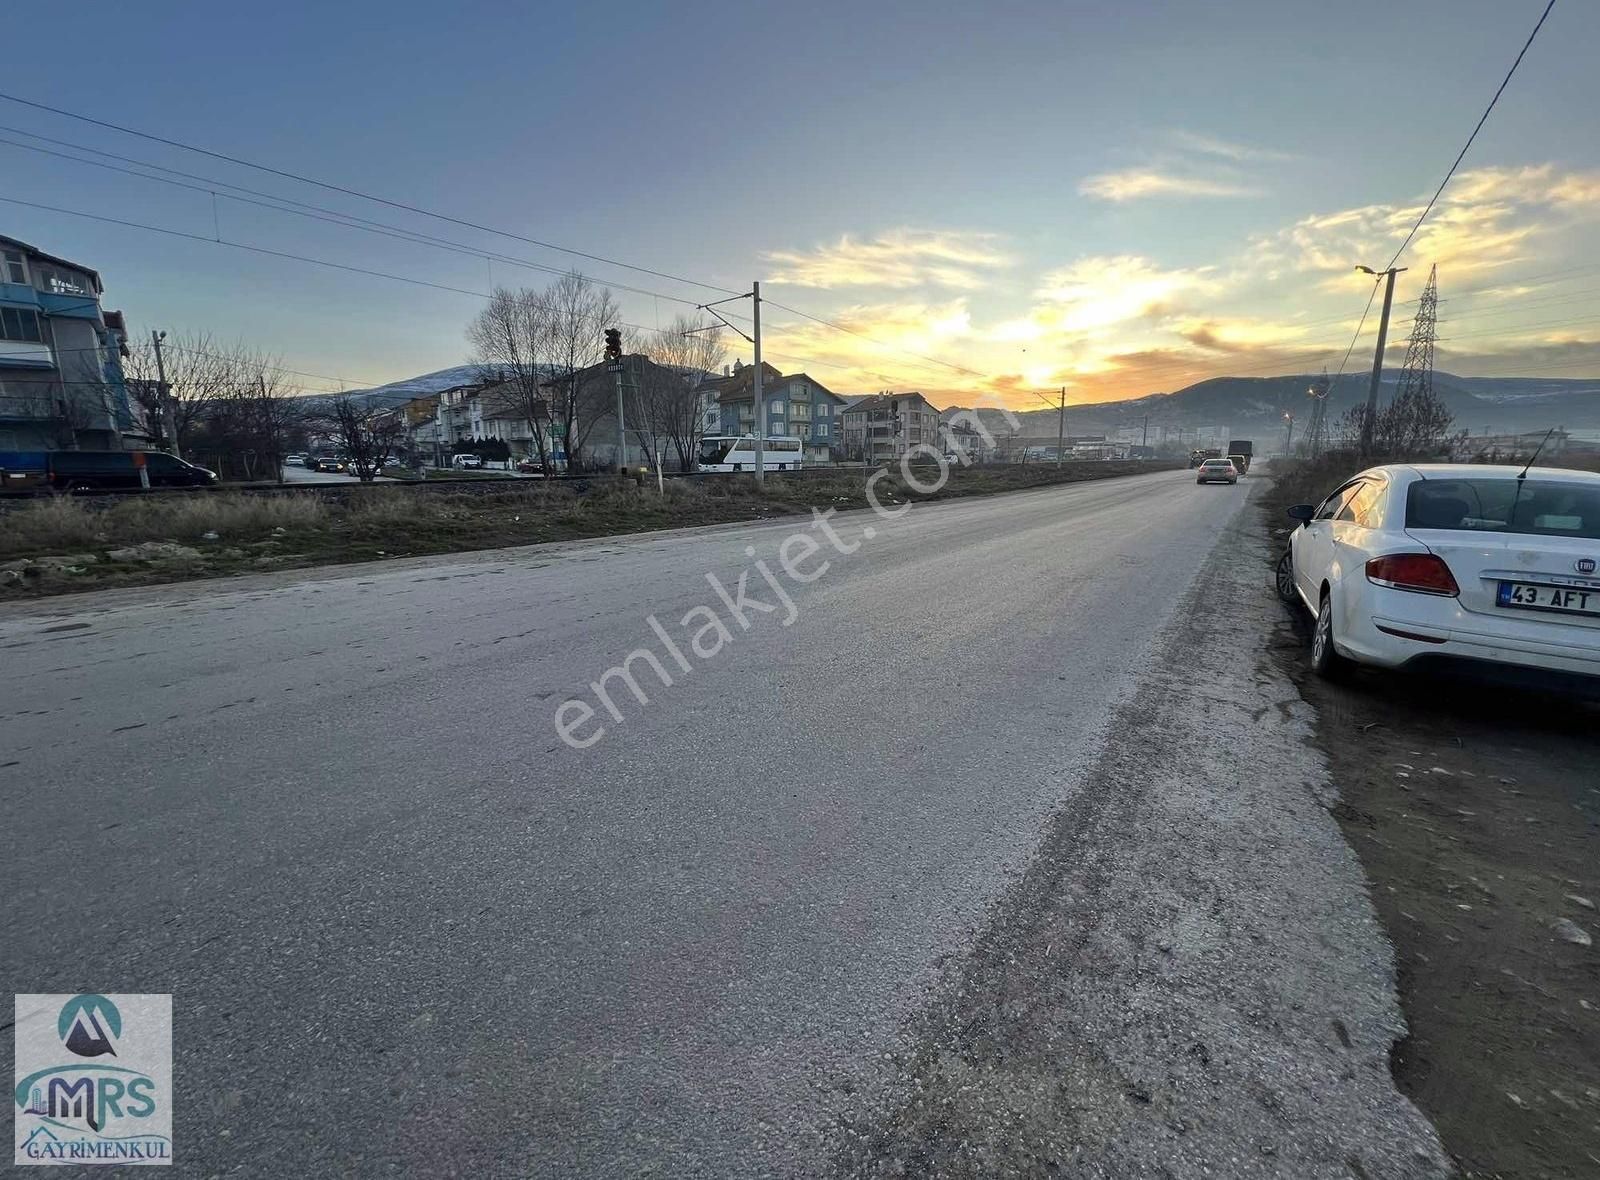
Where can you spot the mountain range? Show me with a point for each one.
(1256, 405)
(1251, 405)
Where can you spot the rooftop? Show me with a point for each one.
(34, 251)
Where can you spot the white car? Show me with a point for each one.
(1454, 566)
(1217, 471)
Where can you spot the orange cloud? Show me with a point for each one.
(1133, 184)
(896, 260)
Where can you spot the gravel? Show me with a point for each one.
(1190, 979)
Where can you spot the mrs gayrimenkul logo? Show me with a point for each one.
(93, 1079)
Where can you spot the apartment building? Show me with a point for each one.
(61, 379)
(797, 404)
(887, 425)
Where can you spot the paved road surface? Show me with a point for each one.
(407, 928)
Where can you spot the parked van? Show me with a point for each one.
(71, 471)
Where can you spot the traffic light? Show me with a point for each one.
(613, 344)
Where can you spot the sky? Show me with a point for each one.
(995, 200)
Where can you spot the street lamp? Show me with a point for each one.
(1371, 417)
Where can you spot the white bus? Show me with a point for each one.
(727, 452)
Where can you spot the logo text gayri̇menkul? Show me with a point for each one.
(93, 1082)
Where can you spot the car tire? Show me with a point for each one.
(1284, 579)
(1326, 661)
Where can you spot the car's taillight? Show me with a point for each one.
(1423, 573)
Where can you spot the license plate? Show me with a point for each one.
(1530, 596)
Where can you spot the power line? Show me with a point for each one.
(279, 204)
(350, 192)
(304, 258)
(1484, 118)
(178, 233)
(349, 219)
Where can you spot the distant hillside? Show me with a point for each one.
(1255, 405)
(398, 391)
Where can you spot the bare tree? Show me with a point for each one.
(199, 373)
(577, 313)
(682, 356)
(369, 434)
(250, 424)
(1415, 425)
(511, 340)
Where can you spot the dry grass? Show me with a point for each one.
(284, 531)
(61, 524)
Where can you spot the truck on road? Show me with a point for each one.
(1241, 448)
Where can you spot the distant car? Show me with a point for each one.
(295, 460)
(330, 464)
(1241, 463)
(1217, 471)
(468, 461)
(1455, 566)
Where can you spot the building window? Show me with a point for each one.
(19, 323)
(64, 282)
(822, 430)
(824, 410)
(15, 270)
(775, 408)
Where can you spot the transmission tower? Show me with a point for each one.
(1317, 432)
(1417, 376)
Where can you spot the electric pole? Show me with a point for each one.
(1369, 421)
(1061, 426)
(622, 430)
(755, 386)
(1288, 441)
(1416, 376)
(614, 364)
(169, 414)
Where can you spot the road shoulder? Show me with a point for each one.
(1189, 978)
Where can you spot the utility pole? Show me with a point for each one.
(622, 430)
(614, 364)
(755, 386)
(1370, 420)
(1061, 426)
(169, 415)
(1144, 438)
(1288, 442)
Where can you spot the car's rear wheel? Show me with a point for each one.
(1325, 658)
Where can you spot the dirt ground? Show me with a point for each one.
(1476, 814)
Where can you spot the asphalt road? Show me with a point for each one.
(408, 929)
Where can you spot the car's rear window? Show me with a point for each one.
(1545, 508)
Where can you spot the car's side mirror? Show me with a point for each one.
(1303, 512)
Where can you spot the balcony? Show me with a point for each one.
(25, 354)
